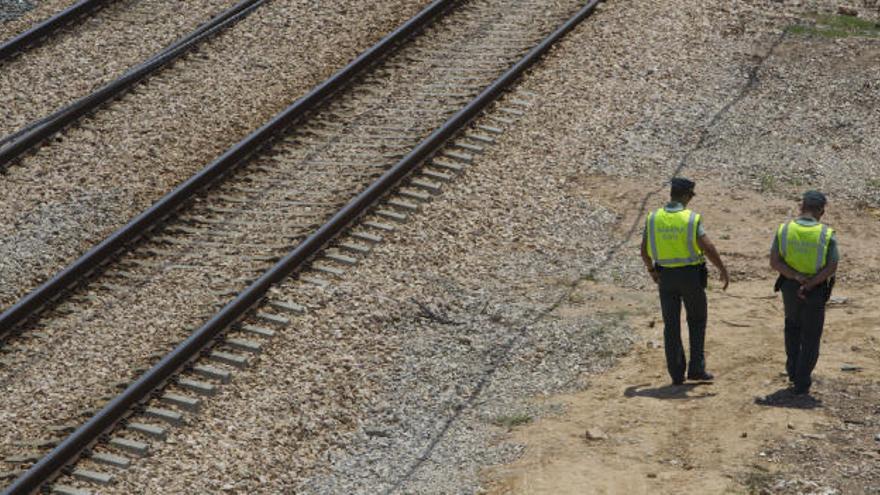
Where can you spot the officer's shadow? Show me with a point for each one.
(674, 392)
(785, 398)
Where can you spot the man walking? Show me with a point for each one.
(804, 252)
(673, 248)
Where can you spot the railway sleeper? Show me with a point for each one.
(27, 458)
(519, 102)
(273, 318)
(197, 386)
(328, 269)
(316, 281)
(436, 175)
(192, 404)
(244, 345)
(135, 447)
(148, 430)
(430, 186)
(414, 194)
(289, 307)
(92, 476)
(46, 443)
(212, 372)
(473, 148)
(512, 111)
(403, 205)
(392, 215)
(111, 459)
(259, 331)
(490, 129)
(363, 236)
(234, 360)
(58, 489)
(173, 418)
(379, 226)
(341, 258)
(503, 120)
(476, 136)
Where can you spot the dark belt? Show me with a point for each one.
(688, 267)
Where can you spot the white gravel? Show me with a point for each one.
(369, 392)
(485, 258)
(367, 346)
(13, 9)
(489, 261)
(91, 52)
(131, 153)
(22, 14)
(172, 292)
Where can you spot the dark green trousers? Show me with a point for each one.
(685, 285)
(804, 320)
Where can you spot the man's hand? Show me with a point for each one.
(807, 285)
(712, 253)
(654, 275)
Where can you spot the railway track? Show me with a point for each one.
(273, 206)
(47, 27)
(83, 66)
(92, 177)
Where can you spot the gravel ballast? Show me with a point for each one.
(88, 54)
(612, 110)
(396, 377)
(454, 311)
(13, 9)
(114, 164)
(171, 293)
(413, 327)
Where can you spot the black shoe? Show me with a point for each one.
(800, 390)
(678, 381)
(702, 376)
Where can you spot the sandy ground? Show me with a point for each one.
(631, 431)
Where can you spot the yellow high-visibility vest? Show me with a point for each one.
(672, 238)
(804, 248)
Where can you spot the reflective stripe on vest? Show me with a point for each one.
(676, 244)
(803, 248)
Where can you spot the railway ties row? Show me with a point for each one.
(242, 344)
(47, 27)
(213, 246)
(19, 141)
(236, 352)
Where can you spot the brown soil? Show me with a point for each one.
(651, 437)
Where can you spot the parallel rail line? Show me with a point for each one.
(32, 135)
(49, 26)
(268, 211)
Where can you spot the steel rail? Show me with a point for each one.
(104, 421)
(193, 36)
(104, 251)
(30, 36)
(15, 144)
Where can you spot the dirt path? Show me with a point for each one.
(651, 437)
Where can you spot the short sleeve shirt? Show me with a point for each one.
(833, 253)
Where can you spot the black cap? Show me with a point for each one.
(680, 184)
(815, 198)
